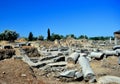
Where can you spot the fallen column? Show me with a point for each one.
(118, 51)
(96, 55)
(48, 57)
(116, 47)
(32, 64)
(87, 71)
(110, 53)
(73, 58)
(109, 80)
(71, 74)
(57, 64)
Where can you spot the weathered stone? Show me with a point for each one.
(34, 59)
(96, 55)
(78, 75)
(109, 52)
(60, 58)
(73, 57)
(23, 75)
(48, 57)
(69, 74)
(63, 48)
(54, 49)
(116, 47)
(57, 53)
(57, 64)
(45, 53)
(30, 63)
(66, 53)
(109, 80)
(118, 51)
(78, 51)
(17, 57)
(87, 71)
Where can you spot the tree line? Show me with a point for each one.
(9, 35)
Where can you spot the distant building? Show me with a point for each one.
(117, 37)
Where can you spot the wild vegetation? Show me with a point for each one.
(9, 35)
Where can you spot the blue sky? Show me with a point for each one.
(78, 17)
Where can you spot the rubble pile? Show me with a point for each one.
(75, 65)
(73, 61)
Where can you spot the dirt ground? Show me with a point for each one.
(17, 72)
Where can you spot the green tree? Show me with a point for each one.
(41, 38)
(71, 35)
(56, 36)
(48, 32)
(83, 37)
(100, 38)
(9, 35)
(30, 37)
(1, 37)
(35, 38)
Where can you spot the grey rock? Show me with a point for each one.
(78, 75)
(73, 57)
(69, 74)
(48, 57)
(58, 59)
(57, 64)
(87, 71)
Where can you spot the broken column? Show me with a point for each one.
(87, 71)
(71, 74)
(96, 55)
(73, 58)
(110, 52)
(115, 41)
(109, 80)
(118, 52)
(116, 47)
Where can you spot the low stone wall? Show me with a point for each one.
(6, 53)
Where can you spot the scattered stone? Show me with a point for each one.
(87, 71)
(96, 55)
(116, 47)
(69, 74)
(78, 75)
(58, 59)
(109, 80)
(57, 64)
(110, 52)
(73, 57)
(63, 48)
(48, 57)
(23, 75)
(54, 49)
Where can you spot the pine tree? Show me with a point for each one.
(30, 37)
(48, 37)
